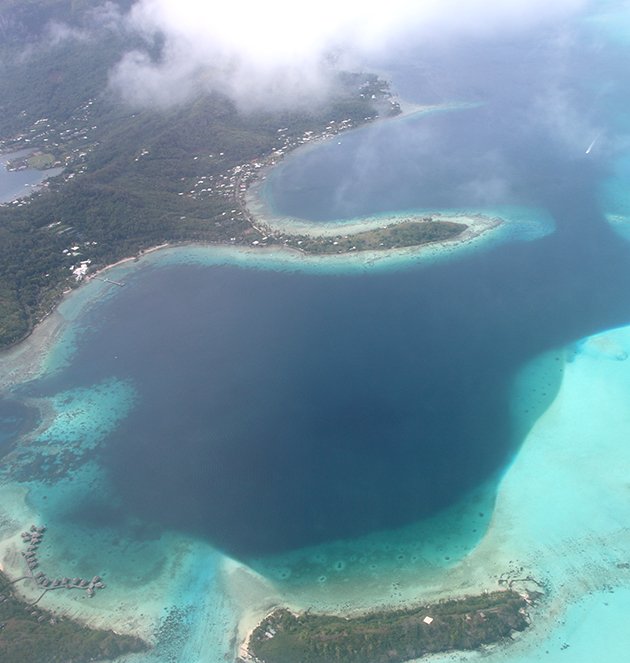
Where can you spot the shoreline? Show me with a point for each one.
(251, 174)
(291, 231)
(496, 553)
(287, 230)
(47, 332)
(482, 620)
(491, 558)
(47, 329)
(555, 505)
(43, 177)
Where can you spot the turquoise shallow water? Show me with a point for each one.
(590, 629)
(562, 513)
(175, 587)
(554, 505)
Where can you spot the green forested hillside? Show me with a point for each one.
(129, 172)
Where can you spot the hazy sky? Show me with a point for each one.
(273, 50)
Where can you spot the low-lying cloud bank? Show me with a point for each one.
(275, 51)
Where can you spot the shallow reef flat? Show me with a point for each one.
(561, 513)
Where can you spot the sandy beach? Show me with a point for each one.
(252, 201)
(477, 223)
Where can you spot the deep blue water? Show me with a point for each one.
(15, 420)
(539, 107)
(280, 409)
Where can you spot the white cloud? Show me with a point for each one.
(57, 33)
(274, 48)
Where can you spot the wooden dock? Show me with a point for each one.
(120, 284)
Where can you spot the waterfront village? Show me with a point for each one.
(58, 148)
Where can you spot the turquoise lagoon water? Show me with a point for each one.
(170, 584)
(561, 512)
(237, 428)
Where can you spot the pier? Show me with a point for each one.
(120, 284)
(33, 538)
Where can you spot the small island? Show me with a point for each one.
(389, 636)
(397, 235)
